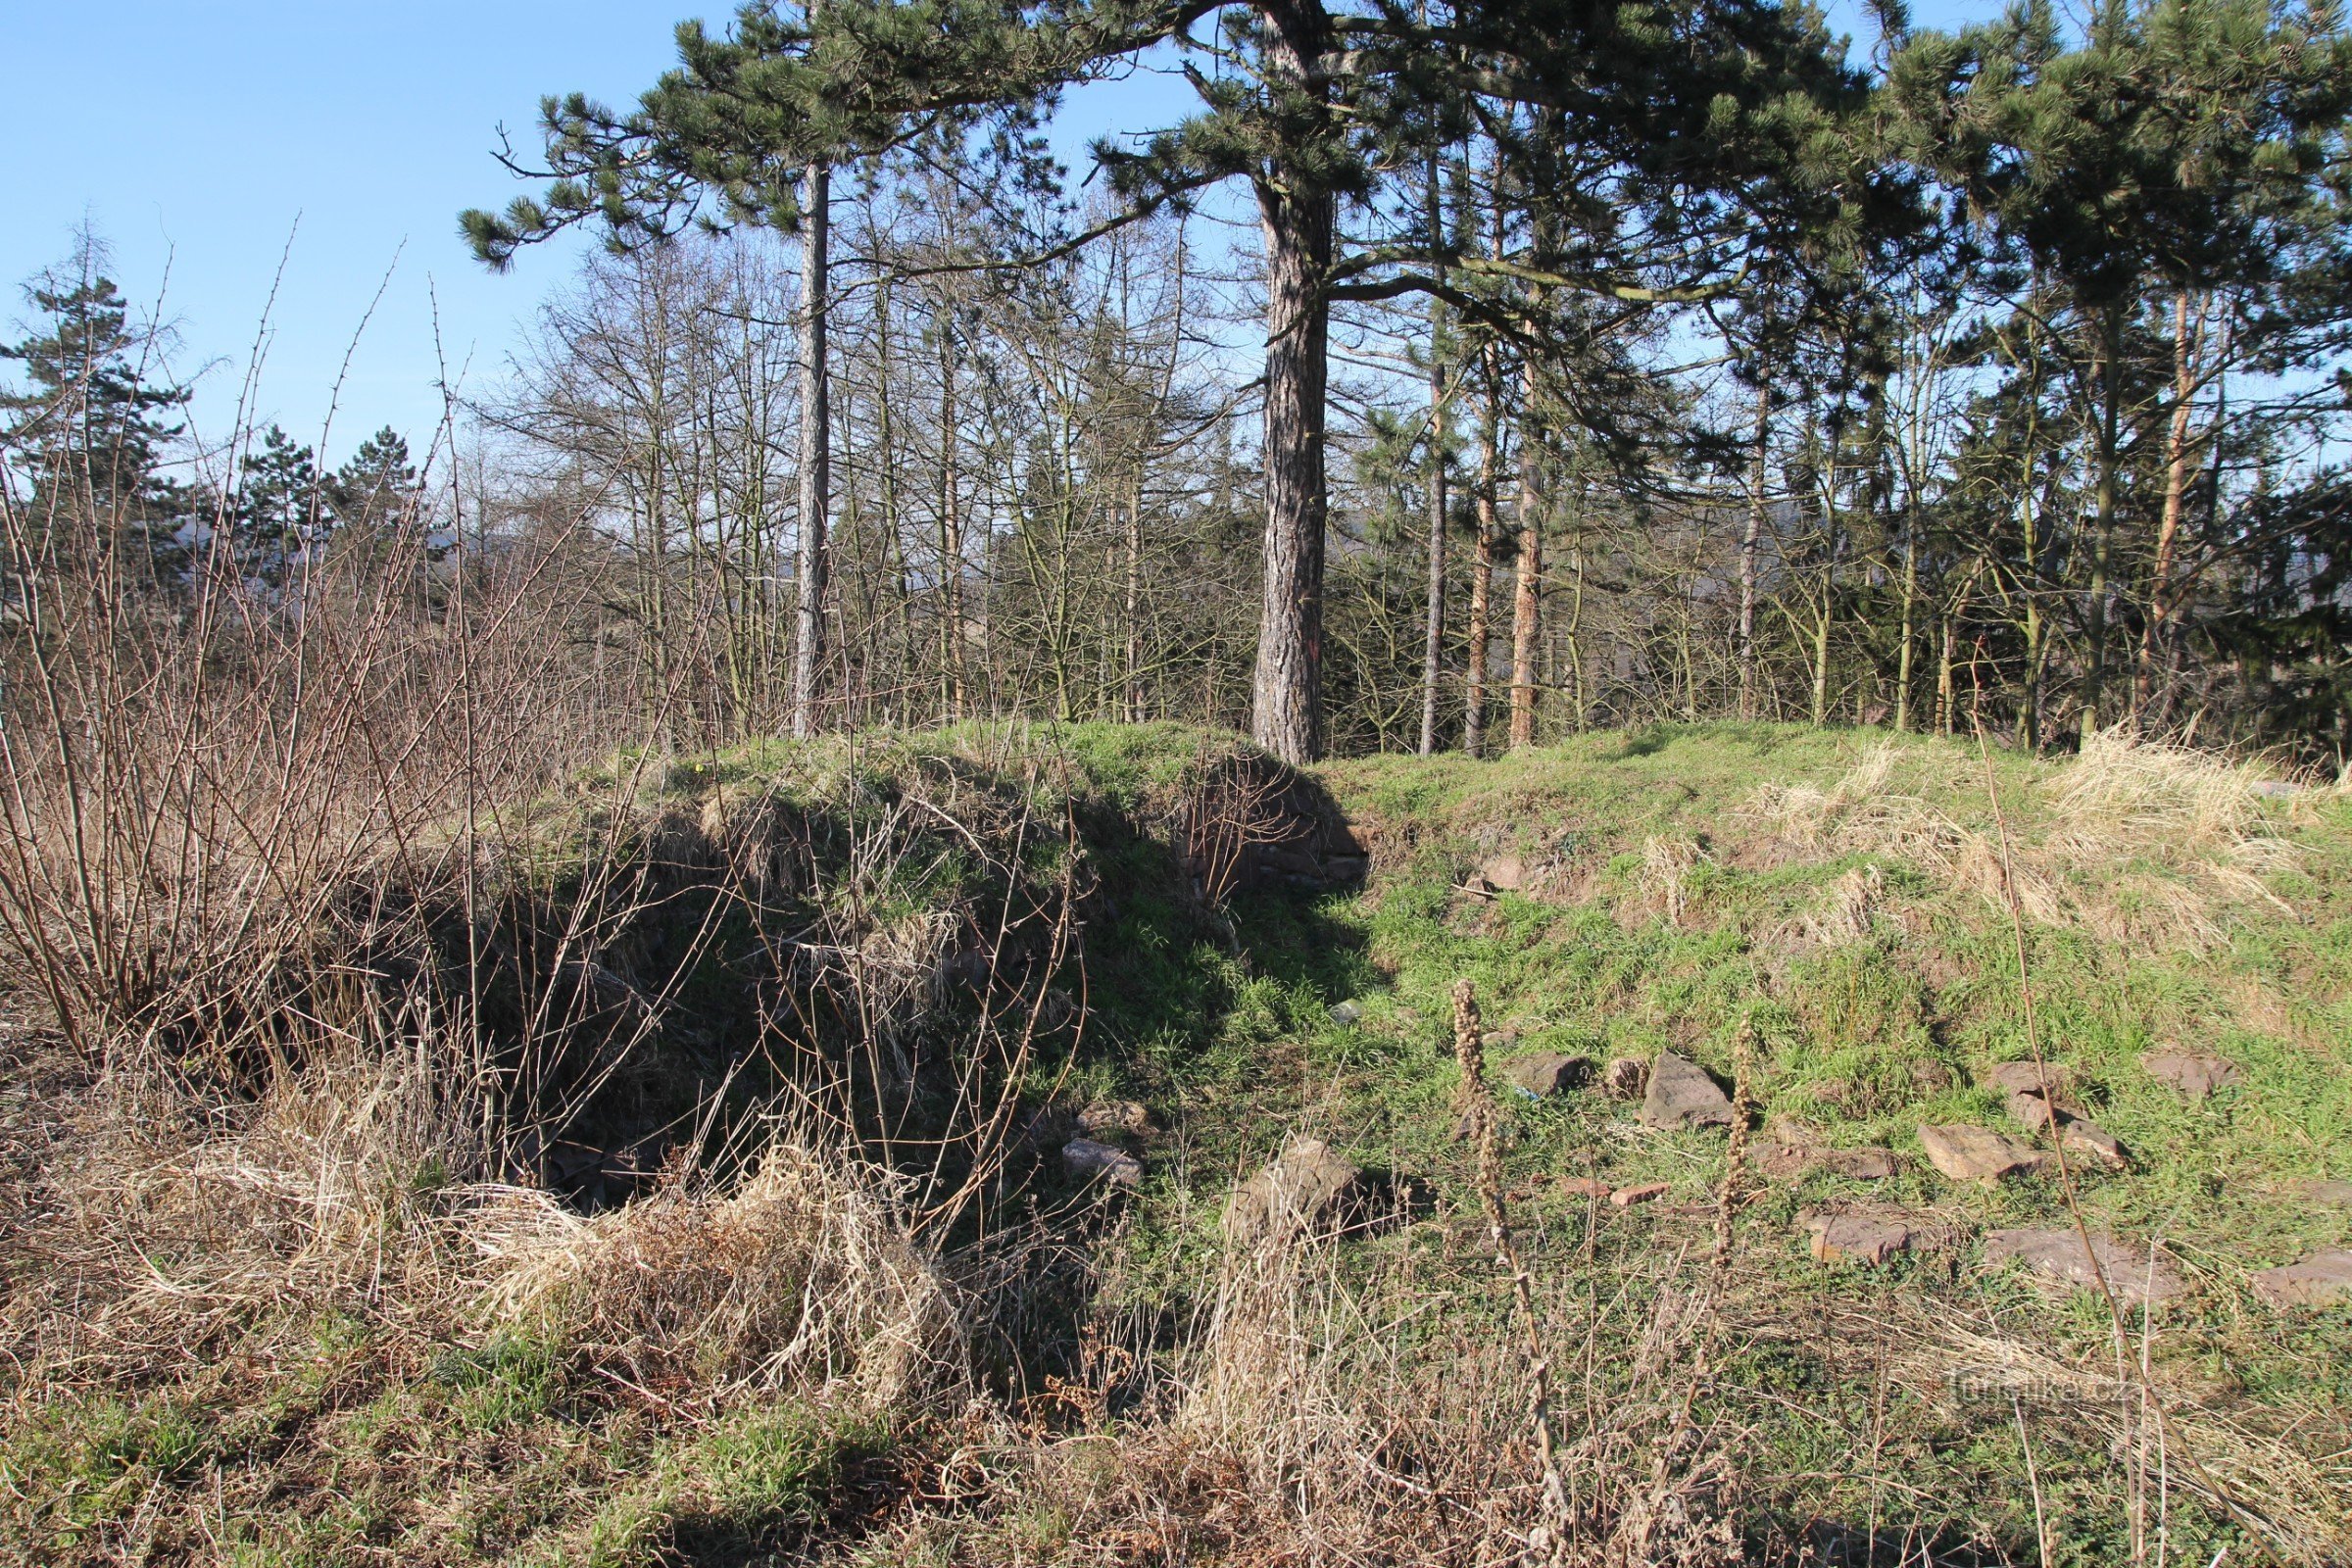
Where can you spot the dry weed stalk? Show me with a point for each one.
(2135, 1373)
(2306, 1504)
(1469, 1046)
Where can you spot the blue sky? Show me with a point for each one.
(204, 135)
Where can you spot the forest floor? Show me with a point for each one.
(1828, 924)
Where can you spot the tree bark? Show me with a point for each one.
(816, 447)
(1527, 608)
(2176, 492)
(1749, 537)
(1481, 581)
(952, 681)
(1433, 636)
(1287, 709)
(2102, 545)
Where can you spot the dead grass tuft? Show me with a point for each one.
(2138, 841)
(1666, 867)
(804, 1277)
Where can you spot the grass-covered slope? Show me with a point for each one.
(1839, 901)
(846, 1002)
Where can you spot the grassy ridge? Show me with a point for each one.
(470, 1374)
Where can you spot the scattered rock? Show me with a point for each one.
(1049, 1127)
(1628, 1197)
(1085, 1158)
(1626, 1078)
(1682, 1095)
(1585, 1187)
(1114, 1116)
(1307, 1187)
(1505, 871)
(2059, 1257)
(1967, 1154)
(1549, 1072)
(1855, 1165)
(2025, 1078)
(1856, 1239)
(2033, 1110)
(2093, 1142)
(2193, 1074)
(2316, 1280)
(2316, 1190)
(1344, 1014)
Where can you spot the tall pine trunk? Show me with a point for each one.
(951, 674)
(1433, 630)
(1285, 714)
(816, 447)
(2103, 544)
(2176, 492)
(1527, 605)
(1481, 581)
(1749, 537)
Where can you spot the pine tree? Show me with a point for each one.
(2182, 149)
(1677, 115)
(93, 426)
(377, 487)
(278, 513)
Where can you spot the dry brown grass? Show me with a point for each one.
(2138, 840)
(805, 1276)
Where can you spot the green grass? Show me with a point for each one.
(482, 1443)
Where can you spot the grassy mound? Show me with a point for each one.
(840, 1005)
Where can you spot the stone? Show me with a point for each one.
(1628, 1197)
(1856, 1239)
(1308, 1187)
(2058, 1257)
(1682, 1095)
(2315, 1189)
(2093, 1142)
(1585, 1187)
(2024, 1078)
(1967, 1154)
(1505, 871)
(1049, 1127)
(1344, 1014)
(2032, 1109)
(1113, 1116)
(2191, 1074)
(1626, 1078)
(1854, 1165)
(1549, 1072)
(2319, 1280)
(1087, 1159)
